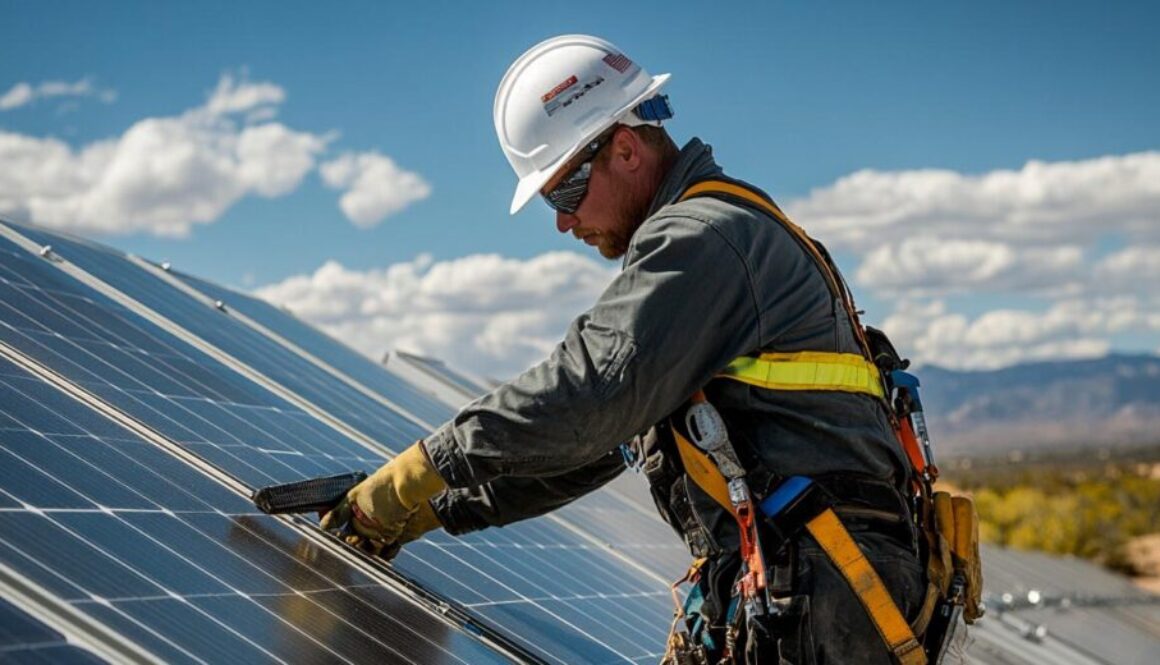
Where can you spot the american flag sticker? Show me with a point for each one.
(618, 61)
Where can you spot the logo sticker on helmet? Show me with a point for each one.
(554, 100)
(618, 61)
(551, 94)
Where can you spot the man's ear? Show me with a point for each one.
(626, 150)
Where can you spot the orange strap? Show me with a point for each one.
(827, 529)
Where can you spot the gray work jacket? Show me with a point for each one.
(704, 280)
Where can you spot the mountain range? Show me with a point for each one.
(1110, 401)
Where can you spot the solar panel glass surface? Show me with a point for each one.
(374, 420)
(140, 541)
(326, 348)
(160, 380)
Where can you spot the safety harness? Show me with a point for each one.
(798, 502)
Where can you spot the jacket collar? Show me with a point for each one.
(695, 163)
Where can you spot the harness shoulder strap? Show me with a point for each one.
(831, 274)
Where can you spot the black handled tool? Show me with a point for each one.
(314, 495)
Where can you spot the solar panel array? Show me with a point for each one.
(230, 394)
(139, 406)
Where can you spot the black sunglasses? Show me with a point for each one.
(569, 193)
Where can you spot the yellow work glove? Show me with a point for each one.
(421, 521)
(375, 513)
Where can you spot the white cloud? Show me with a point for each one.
(1039, 203)
(1039, 232)
(1137, 267)
(375, 186)
(1076, 328)
(485, 313)
(24, 93)
(163, 175)
(18, 96)
(234, 96)
(927, 265)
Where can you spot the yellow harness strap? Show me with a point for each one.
(807, 370)
(703, 471)
(827, 529)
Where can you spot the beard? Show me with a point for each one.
(613, 242)
(612, 245)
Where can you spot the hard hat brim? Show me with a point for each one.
(530, 185)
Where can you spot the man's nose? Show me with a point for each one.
(565, 222)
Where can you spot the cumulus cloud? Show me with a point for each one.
(25, 93)
(375, 186)
(488, 314)
(934, 244)
(234, 96)
(1039, 203)
(926, 264)
(1074, 328)
(163, 175)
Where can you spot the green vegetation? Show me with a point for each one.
(1085, 504)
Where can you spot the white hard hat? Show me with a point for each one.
(558, 96)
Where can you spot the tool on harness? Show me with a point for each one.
(682, 648)
(909, 406)
(708, 431)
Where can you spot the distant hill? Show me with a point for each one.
(1062, 404)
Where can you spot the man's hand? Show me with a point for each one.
(388, 506)
(421, 521)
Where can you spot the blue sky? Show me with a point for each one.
(794, 97)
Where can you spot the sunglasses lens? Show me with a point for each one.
(566, 197)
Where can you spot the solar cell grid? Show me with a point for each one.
(259, 438)
(160, 380)
(193, 572)
(284, 367)
(332, 352)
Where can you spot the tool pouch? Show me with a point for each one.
(958, 526)
(965, 555)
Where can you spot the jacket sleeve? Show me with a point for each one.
(679, 311)
(513, 498)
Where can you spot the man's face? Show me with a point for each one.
(607, 216)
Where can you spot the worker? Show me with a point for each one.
(713, 277)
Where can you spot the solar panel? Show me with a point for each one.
(125, 533)
(112, 347)
(162, 381)
(441, 371)
(369, 418)
(327, 349)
